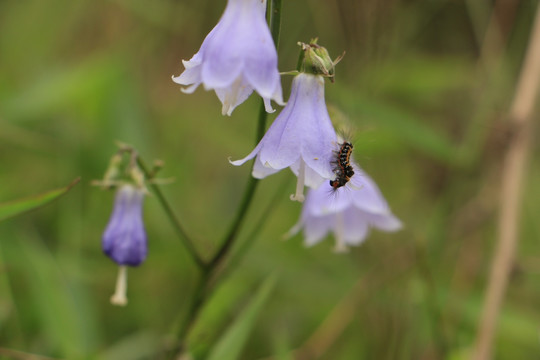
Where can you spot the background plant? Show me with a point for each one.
(426, 83)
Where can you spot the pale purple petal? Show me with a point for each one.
(315, 229)
(233, 95)
(260, 171)
(301, 132)
(356, 226)
(386, 222)
(124, 239)
(327, 200)
(303, 128)
(260, 71)
(311, 177)
(250, 156)
(239, 49)
(369, 197)
(348, 212)
(192, 73)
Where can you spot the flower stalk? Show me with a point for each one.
(205, 286)
(182, 234)
(513, 173)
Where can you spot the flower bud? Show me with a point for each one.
(316, 60)
(124, 240)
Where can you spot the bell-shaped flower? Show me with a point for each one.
(302, 137)
(237, 56)
(124, 239)
(349, 212)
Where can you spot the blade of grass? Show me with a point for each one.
(16, 207)
(230, 345)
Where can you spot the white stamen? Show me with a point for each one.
(341, 245)
(119, 297)
(299, 195)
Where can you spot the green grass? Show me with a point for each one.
(77, 76)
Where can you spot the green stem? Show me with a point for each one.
(204, 286)
(244, 205)
(238, 255)
(274, 18)
(174, 221)
(199, 297)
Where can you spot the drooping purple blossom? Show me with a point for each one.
(236, 57)
(124, 239)
(302, 137)
(348, 212)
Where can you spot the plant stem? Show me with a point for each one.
(243, 248)
(244, 205)
(199, 297)
(174, 221)
(204, 286)
(274, 19)
(513, 172)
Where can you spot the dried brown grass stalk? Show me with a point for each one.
(513, 172)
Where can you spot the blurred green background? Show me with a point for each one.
(427, 89)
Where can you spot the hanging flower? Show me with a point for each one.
(349, 212)
(237, 56)
(302, 137)
(124, 240)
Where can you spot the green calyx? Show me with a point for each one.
(122, 170)
(314, 59)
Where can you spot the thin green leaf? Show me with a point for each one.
(140, 345)
(230, 345)
(16, 207)
(57, 301)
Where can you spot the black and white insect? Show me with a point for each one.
(342, 166)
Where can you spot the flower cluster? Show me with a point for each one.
(237, 57)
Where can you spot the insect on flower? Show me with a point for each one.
(302, 137)
(349, 213)
(342, 165)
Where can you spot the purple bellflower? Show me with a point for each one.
(302, 137)
(349, 212)
(237, 56)
(124, 240)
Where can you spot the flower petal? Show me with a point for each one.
(124, 239)
(387, 222)
(229, 49)
(316, 228)
(301, 129)
(327, 200)
(192, 72)
(240, 46)
(367, 195)
(356, 226)
(311, 177)
(233, 95)
(260, 171)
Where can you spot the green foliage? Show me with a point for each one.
(16, 207)
(230, 345)
(429, 113)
